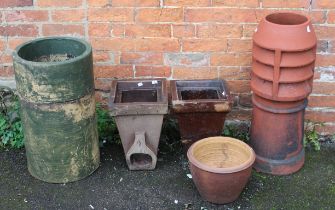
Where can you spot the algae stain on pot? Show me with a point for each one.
(27, 79)
(83, 109)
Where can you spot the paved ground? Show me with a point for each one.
(113, 186)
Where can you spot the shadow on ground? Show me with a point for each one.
(113, 186)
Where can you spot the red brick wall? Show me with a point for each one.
(175, 39)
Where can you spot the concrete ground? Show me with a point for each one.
(113, 186)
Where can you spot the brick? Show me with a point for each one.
(135, 3)
(99, 29)
(6, 71)
(219, 31)
(142, 58)
(204, 45)
(317, 17)
(321, 101)
(59, 3)
(320, 116)
(324, 4)
(331, 46)
(151, 30)
(324, 88)
(103, 84)
(222, 15)
(118, 30)
(153, 71)
(111, 14)
(119, 71)
(159, 15)
(331, 17)
(249, 30)
(325, 32)
(157, 44)
(239, 86)
(72, 15)
(28, 30)
(6, 58)
(239, 45)
(99, 3)
(114, 44)
(325, 60)
(194, 73)
(115, 57)
(2, 45)
(26, 15)
(183, 31)
(60, 29)
(186, 59)
(14, 42)
(197, 3)
(145, 44)
(231, 59)
(286, 3)
(15, 3)
(234, 73)
(101, 56)
(236, 3)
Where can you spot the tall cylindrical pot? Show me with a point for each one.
(284, 52)
(54, 78)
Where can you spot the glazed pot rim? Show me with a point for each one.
(248, 163)
(87, 51)
(307, 22)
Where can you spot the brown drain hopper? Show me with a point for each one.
(200, 107)
(139, 107)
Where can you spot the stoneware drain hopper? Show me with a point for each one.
(200, 107)
(139, 107)
(220, 168)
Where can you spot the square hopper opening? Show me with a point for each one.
(140, 159)
(199, 94)
(138, 91)
(139, 95)
(188, 90)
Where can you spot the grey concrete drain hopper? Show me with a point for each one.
(139, 107)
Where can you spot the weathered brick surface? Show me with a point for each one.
(15, 3)
(29, 30)
(184, 39)
(26, 15)
(186, 59)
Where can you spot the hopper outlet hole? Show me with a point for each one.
(148, 95)
(140, 159)
(199, 94)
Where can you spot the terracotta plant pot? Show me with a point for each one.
(200, 107)
(220, 168)
(284, 53)
(139, 107)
